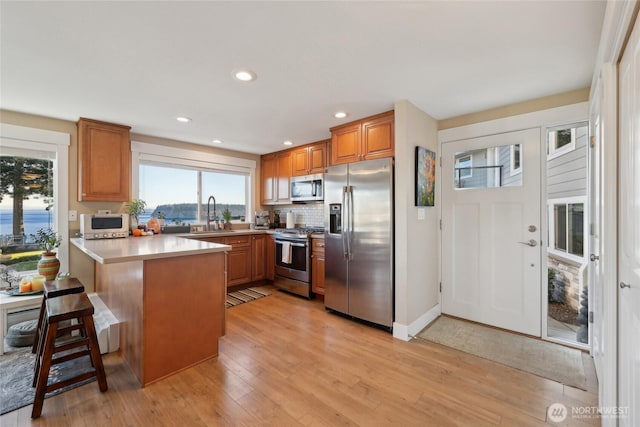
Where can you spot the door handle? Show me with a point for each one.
(531, 242)
(624, 285)
(594, 257)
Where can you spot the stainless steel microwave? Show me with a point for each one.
(104, 226)
(307, 188)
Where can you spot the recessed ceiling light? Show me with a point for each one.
(340, 115)
(217, 141)
(288, 143)
(183, 119)
(245, 75)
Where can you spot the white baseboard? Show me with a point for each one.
(407, 332)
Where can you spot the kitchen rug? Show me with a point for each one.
(245, 295)
(542, 358)
(16, 374)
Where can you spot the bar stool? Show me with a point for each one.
(66, 307)
(54, 289)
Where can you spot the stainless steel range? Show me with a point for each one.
(293, 260)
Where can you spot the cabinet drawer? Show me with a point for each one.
(317, 246)
(238, 241)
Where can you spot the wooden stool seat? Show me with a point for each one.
(54, 289)
(67, 307)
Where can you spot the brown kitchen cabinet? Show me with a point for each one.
(366, 139)
(238, 260)
(309, 159)
(104, 161)
(275, 171)
(258, 257)
(270, 257)
(317, 266)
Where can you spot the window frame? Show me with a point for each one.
(512, 156)
(20, 137)
(142, 152)
(553, 150)
(551, 204)
(457, 162)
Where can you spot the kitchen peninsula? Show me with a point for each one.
(168, 292)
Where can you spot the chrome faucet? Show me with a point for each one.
(215, 217)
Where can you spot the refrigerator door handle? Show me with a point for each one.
(350, 222)
(343, 223)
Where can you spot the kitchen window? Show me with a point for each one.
(176, 184)
(567, 227)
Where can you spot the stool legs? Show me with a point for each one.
(38, 335)
(45, 358)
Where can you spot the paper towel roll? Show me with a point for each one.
(291, 220)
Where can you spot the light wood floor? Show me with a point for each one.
(285, 361)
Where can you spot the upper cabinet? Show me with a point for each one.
(104, 161)
(366, 139)
(309, 159)
(275, 171)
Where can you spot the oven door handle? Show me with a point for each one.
(299, 245)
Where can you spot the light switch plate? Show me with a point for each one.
(73, 215)
(421, 214)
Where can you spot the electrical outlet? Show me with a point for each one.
(73, 215)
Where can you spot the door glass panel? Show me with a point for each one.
(491, 167)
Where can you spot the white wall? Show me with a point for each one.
(417, 242)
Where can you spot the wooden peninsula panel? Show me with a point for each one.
(184, 302)
(172, 311)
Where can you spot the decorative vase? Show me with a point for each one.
(227, 226)
(133, 223)
(49, 265)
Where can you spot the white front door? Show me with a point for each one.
(491, 252)
(629, 233)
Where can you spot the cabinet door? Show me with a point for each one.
(238, 260)
(345, 144)
(258, 261)
(300, 161)
(267, 178)
(104, 161)
(378, 138)
(317, 266)
(318, 157)
(239, 266)
(270, 258)
(284, 177)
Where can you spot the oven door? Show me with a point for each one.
(298, 265)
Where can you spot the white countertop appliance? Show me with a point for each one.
(104, 226)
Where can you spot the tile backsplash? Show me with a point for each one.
(307, 215)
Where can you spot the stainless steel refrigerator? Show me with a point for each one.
(359, 240)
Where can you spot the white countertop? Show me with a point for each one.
(108, 251)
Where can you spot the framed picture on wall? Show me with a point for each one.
(425, 177)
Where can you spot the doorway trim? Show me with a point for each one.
(539, 119)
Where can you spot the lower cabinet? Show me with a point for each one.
(251, 258)
(258, 255)
(317, 266)
(270, 257)
(238, 260)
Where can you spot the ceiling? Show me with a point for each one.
(145, 63)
